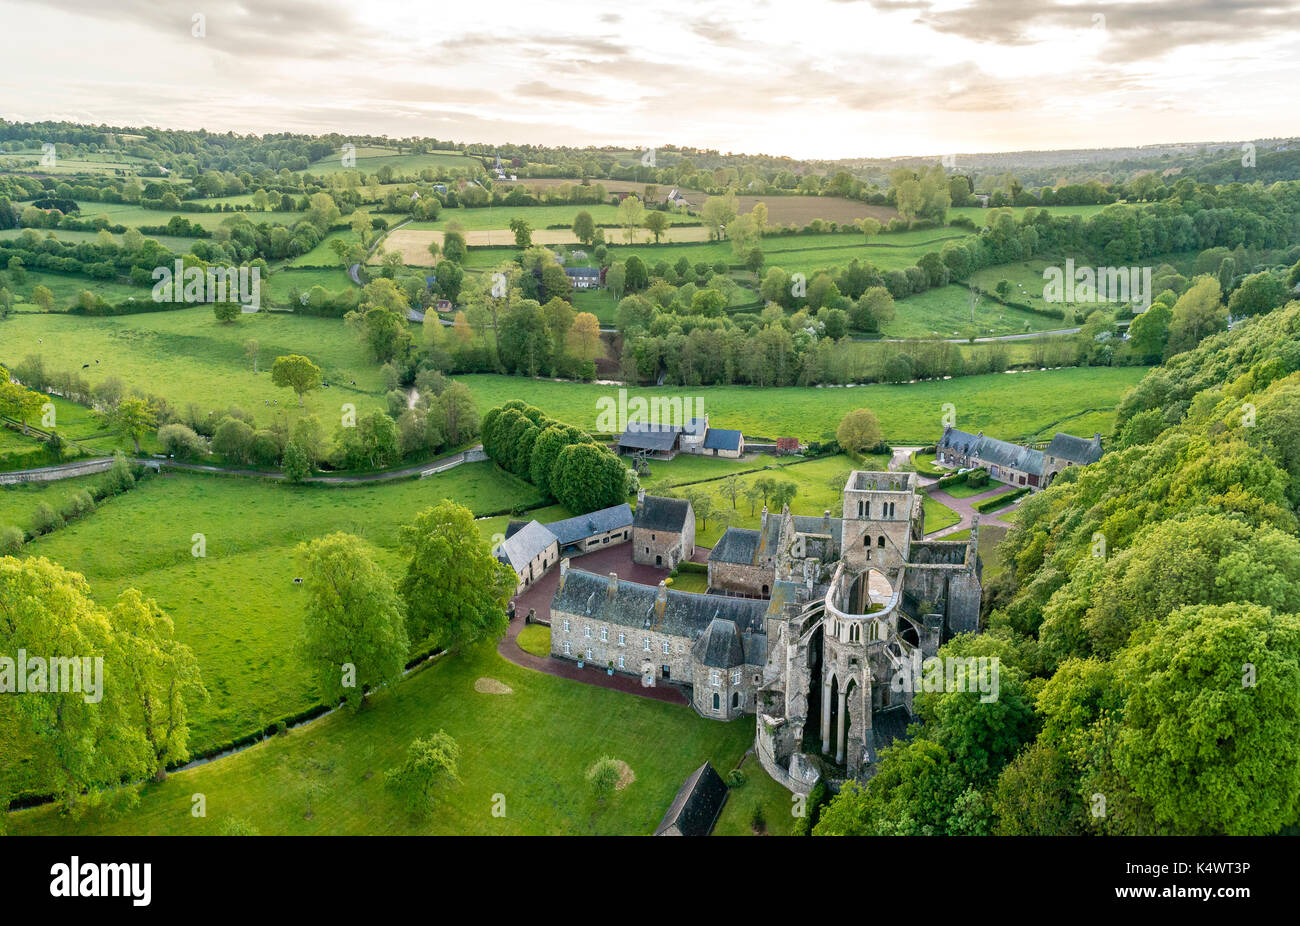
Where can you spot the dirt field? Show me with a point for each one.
(782, 210)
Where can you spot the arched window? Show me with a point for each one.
(881, 541)
(716, 702)
(735, 699)
(866, 540)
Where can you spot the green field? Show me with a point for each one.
(759, 788)
(1011, 406)
(370, 158)
(532, 746)
(979, 215)
(535, 639)
(237, 607)
(188, 356)
(938, 515)
(1027, 287)
(946, 313)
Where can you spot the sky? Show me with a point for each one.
(803, 78)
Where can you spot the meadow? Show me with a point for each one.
(1012, 406)
(186, 356)
(370, 158)
(237, 606)
(1028, 286)
(946, 313)
(327, 777)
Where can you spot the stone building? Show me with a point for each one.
(1012, 463)
(530, 552)
(663, 531)
(809, 623)
(1066, 450)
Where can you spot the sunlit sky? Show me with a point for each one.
(805, 78)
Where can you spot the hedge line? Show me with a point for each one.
(1000, 501)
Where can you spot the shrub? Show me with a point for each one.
(119, 477)
(757, 820)
(11, 540)
(181, 441)
(79, 505)
(45, 519)
(1000, 501)
(977, 478)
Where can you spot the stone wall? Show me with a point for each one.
(741, 577)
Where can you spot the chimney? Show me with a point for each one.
(762, 522)
(640, 497)
(826, 519)
(564, 571)
(661, 600)
(613, 585)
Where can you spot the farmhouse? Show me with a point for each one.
(594, 530)
(851, 602)
(659, 441)
(1012, 463)
(666, 441)
(583, 277)
(663, 531)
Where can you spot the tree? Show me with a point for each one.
(455, 589)
(587, 477)
(253, 351)
(1149, 332)
(429, 763)
(77, 740)
(873, 310)
(523, 232)
(1212, 692)
(859, 431)
(584, 228)
(297, 463)
(297, 373)
(1197, 313)
(161, 677)
(43, 298)
(134, 418)
(354, 633)
(1257, 294)
(657, 223)
(630, 215)
(584, 336)
(226, 312)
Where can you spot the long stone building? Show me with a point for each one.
(1013, 463)
(809, 622)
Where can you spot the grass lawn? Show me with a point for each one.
(237, 607)
(535, 639)
(946, 313)
(532, 747)
(697, 582)
(991, 534)
(937, 515)
(759, 788)
(962, 490)
(188, 356)
(1011, 406)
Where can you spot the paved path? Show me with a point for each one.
(613, 559)
(964, 507)
(79, 467)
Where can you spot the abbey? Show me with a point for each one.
(808, 622)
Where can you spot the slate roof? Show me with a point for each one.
(993, 451)
(736, 545)
(1075, 449)
(571, 530)
(657, 513)
(720, 646)
(585, 272)
(696, 806)
(523, 546)
(722, 439)
(685, 614)
(642, 436)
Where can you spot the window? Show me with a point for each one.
(667, 648)
(588, 652)
(622, 638)
(588, 629)
(881, 541)
(604, 634)
(646, 641)
(566, 647)
(757, 679)
(735, 699)
(715, 678)
(566, 625)
(735, 677)
(717, 702)
(620, 662)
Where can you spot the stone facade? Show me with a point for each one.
(663, 532)
(840, 606)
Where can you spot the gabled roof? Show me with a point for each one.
(994, 451)
(587, 525)
(736, 545)
(696, 806)
(722, 439)
(582, 272)
(657, 513)
(1075, 449)
(685, 614)
(642, 436)
(522, 547)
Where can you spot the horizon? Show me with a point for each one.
(983, 76)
